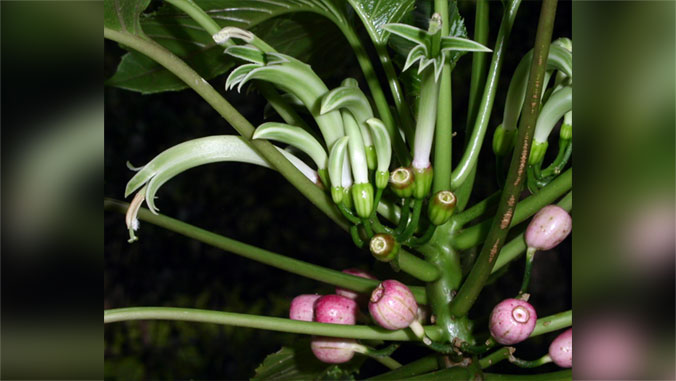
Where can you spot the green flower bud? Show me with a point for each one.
(441, 206)
(566, 131)
(423, 182)
(384, 247)
(537, 152)
(337, 194)
(382, 178)
(362, 195)
(503, 140)
(401, 182)
(371, 160)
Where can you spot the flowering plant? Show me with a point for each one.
(377, 160)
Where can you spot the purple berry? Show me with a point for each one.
(512, 321)
(302, 307)
(336, 309)
(356, 272)
(561, 349)
(392, 305)
(333, 350)
(548, 228)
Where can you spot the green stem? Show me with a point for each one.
(356, 238)
(423, 365)
(261, 322)
(562, 375)
(398, 146)
(471, 154)
(479, 60)
(286, 111)
(197, 14)
(478, 210)
(495, 357)
(175, 65)
(443, 132)
(413, 224)
(515, 178)
(517, 245)
(530, 254)
(476, 234)
(405, 117)
(282, 262)
(530, 364)
(424, 238)
(403, 219)
(553, 323)
(440, 293)
(388, 361)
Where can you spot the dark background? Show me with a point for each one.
(257, 206)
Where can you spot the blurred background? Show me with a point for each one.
(54, 166)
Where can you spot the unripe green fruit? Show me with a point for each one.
(384, 247)
(441, 207)
(401, 182)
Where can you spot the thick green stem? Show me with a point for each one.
(262, 322)
(514, 248)
(562, 375)
(478, 210)
(387, 361)
(175, 65)
(479, 61)
(440, 293)
(517, 171)
(476, 234)
(291, 265)
(471, 154)
(423, 365)
(197, 14)
(443, 132)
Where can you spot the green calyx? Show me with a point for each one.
(503, 140)
(337, 194)
(401, 182)
(382, 178)
(537, 152)
(384, 247)
(362, 195)
(441, 206)
(347, 197)
(566, 132)
(422, 182)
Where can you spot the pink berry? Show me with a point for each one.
(333, 350)
(548, 228)
(561, 349)
(302, 307)
(392, 305)
(512, 321)
(356, 272)
(336, 309)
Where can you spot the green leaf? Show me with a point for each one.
(298, 363)
(123, 15)
(296, 34)
(375, 14)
